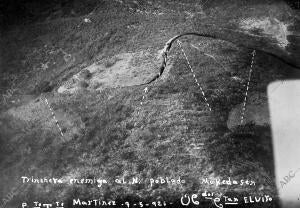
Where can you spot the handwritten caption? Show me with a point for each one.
(217, 199)
(135, 180)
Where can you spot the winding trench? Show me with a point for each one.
(168, 45)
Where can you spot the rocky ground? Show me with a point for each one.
(71, 107)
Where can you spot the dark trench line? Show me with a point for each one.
(168, 45)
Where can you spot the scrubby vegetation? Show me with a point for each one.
(125, 132)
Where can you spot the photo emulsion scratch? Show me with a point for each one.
(149, 103)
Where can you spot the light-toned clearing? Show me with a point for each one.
(268, 26)
(125, 69)
(38, 112)
(257, 112)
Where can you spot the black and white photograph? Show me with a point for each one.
(150, 103)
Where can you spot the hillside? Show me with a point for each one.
(72, 105)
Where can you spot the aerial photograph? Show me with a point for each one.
(150, 103)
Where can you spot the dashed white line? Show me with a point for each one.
(194, 75)
(247, 88)
(53, 116)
